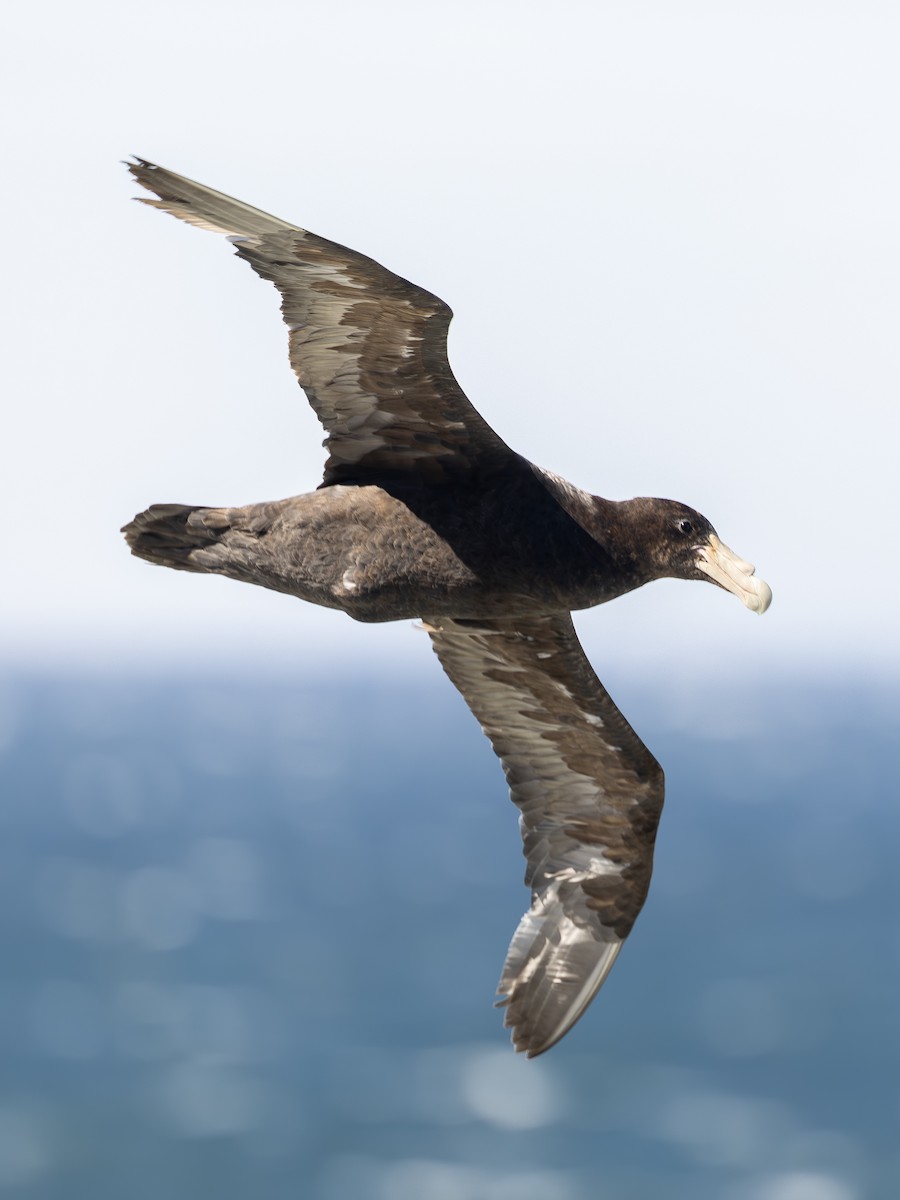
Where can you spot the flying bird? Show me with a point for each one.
(425, 512)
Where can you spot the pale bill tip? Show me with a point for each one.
(760, 597)
(734, 574)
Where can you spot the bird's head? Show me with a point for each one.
(684, 545)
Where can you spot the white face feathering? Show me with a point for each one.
(734, 574)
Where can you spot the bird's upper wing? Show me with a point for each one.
(369, 348)
(590, 795)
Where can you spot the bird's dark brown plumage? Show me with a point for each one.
(424, 511)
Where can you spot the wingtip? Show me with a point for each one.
(554, 967)
(522, 1038)
(533, 1051)
(140, 170)
(135, 164)
(524, 1042)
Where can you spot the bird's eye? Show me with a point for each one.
(685, 526)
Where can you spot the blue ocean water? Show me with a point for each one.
(250, 933)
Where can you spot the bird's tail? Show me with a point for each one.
(182, 536)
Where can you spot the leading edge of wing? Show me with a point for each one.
(590, 796)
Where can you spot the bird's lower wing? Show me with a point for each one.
(590, 795)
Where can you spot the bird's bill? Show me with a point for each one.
(730, 572)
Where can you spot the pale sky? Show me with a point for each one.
(670, 235)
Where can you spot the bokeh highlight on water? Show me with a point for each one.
(250, 933)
